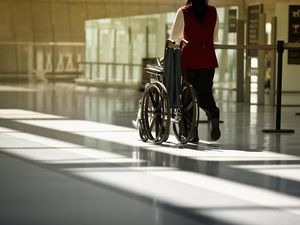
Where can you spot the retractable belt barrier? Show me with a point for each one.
(281, 46)
(280, 49)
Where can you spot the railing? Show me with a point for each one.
(246, 47)
(113, 66)
(41, 60)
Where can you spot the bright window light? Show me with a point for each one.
(268, 28)
(254, 63)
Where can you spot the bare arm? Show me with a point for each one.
(216, 35)
(177, 27)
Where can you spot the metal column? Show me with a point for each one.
(240, 61)
(261, 60)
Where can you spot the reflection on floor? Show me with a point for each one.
(69, 155)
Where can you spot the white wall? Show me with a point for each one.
(291, 73)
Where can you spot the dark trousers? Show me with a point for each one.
(202, 81)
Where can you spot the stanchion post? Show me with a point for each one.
(280, 50)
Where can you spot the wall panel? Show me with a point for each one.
(22, 21)
(60, 13)
(41, 21)
(96, 10)
(77, 15)
(5, 22)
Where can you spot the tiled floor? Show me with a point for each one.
(69, 155)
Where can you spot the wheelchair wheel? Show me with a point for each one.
(155, 115)
(142, 133)
(186, 117)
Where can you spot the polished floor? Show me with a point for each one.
(70, 155)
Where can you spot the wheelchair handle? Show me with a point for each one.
(172, 44)
(182, 43)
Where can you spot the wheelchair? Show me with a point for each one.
(157, 115)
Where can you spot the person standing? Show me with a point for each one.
(197, 22)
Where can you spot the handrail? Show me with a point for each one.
(290, 46)
(287, 46)
(109, 63)
(47, 43)
(245, 47)
(217, 46)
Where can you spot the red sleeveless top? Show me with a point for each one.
(200, 51)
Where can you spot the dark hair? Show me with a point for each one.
(188, 2)
(200, 8)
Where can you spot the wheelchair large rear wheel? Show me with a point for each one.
(155, 114)
(186, 117)
(142, 132)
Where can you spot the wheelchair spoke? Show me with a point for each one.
(184, 119)
(187, 108)
(188, 119)
(153, 99)
(152, 125)
(182, 130)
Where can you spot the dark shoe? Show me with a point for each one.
(215, 133)
(194, 140)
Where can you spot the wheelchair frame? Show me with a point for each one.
(156, 115)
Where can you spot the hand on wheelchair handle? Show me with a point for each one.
(161, 60)
(172, 44)
(183, 42)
